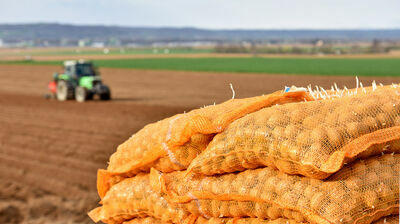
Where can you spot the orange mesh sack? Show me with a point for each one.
(313, 138)
(234, 208)
(361, 192)
(134, 197)
(171, 144)
(393, 219)
(147, 220)
(152, 220)
(201, 220)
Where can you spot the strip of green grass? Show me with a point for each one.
(313, 66)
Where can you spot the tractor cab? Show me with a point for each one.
(80, 80)
(79, 69)
(76, 70)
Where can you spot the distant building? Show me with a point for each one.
(98, 44)
(82, 43)
(319, 43)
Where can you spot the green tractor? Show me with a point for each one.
(80, 80)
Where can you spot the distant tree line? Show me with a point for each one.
(319, 47)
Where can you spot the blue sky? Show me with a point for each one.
(228, 14)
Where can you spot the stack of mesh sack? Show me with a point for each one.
(296, 156)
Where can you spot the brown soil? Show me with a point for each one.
(50, 151)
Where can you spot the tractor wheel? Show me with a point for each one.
(81, 94)
(90, 96)
(106, 95)
(64, 91)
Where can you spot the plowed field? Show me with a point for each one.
(50, 151)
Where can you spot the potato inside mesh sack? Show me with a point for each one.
(152, 220)
(171, 144)
(394, 219)
(314, 138)
(201, 220)
(134, 198)
(361, 192)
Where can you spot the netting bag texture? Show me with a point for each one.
(134, 197)
(231, 152)
(171, 144)
(361, 192)
(394, 219)
(314, 138)
(201, 220)
(147, 220)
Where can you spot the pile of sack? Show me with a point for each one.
(293, 156)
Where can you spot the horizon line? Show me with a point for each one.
(194, 27)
